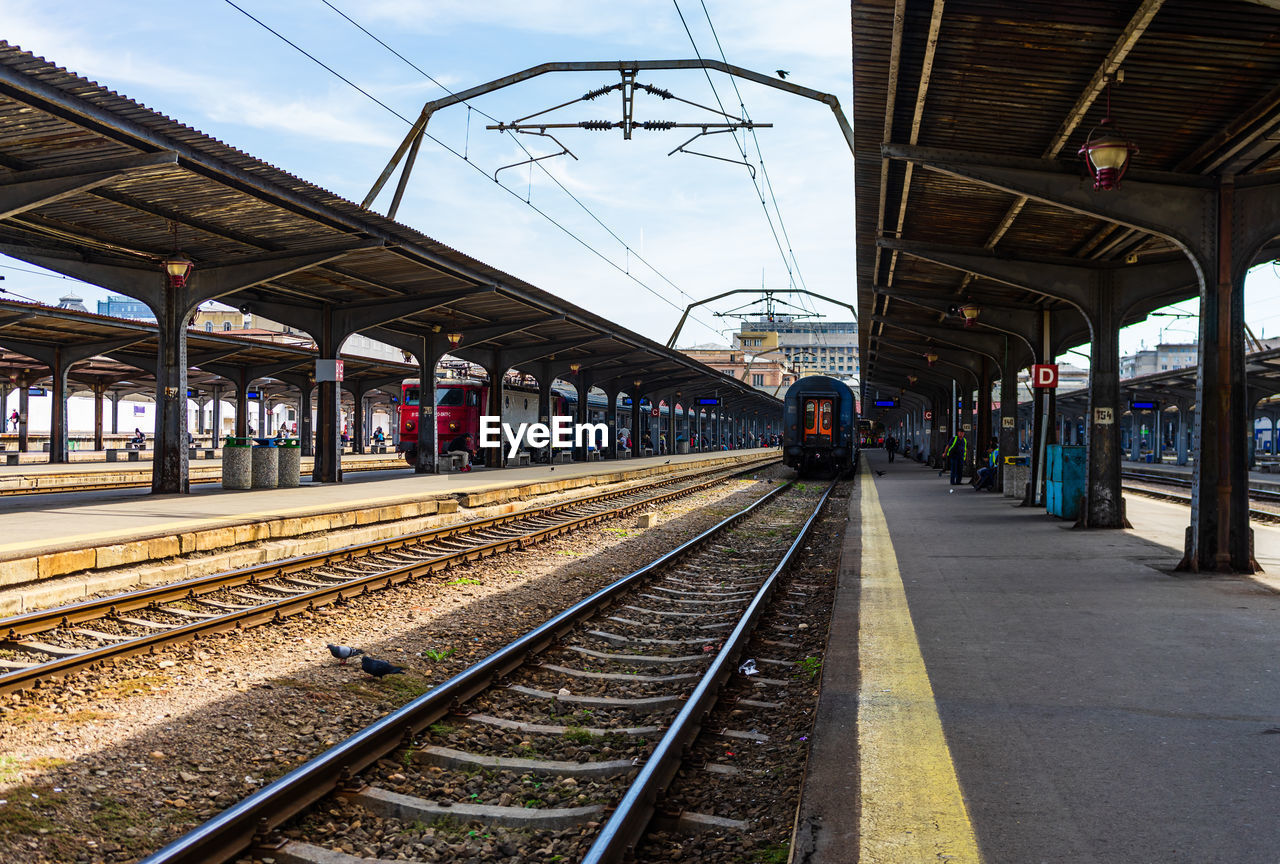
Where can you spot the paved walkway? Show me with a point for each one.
(31, 523)
(1094, 707)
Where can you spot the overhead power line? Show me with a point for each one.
(564, 229)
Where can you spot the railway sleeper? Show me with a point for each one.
(641, 705)
(388, 804)
(445, 757)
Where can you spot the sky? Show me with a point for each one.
(629, 232)
(654, 231)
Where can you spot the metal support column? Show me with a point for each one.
(495, 457)
(98, 390)
(327, 464)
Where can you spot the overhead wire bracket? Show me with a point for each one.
(681, 149)
(542, 134)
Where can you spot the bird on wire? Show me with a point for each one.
(378, 668)
(343, 652)
(783, 73)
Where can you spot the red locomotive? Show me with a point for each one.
(459, 404)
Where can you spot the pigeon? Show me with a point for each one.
(879, 473)
(782, 73)
(378, 668)
(343, 652)
(668, 462)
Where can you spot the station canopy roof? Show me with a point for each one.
(1195, 84)
(124, 353)
(89, 177)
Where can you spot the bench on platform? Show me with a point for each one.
(451, 462)
(593, 455)
(646, 451)
(378, 449)
(624, 453)
(196, 453)
(12, 458)
(522, 459)
(122, 455)
(562, 458)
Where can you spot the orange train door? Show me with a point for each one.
(817, 421)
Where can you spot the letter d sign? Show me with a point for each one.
(1044, 376)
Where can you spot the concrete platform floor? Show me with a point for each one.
(1090, 704)
(31, 524)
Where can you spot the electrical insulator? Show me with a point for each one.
(596, 125)
(658, 125)
(658, 91)
(594, 93)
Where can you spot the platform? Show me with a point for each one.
(55, 534)
(72, 476)
(1025, 692)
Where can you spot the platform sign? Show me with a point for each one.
(626, 401)
(1136, 405)
(886, 403)
(37, 391)
(1044, 376)
(1008, 422)
(710, 400)
(654, 411)
(928, 415)
(253, 394)
(328, 370)
(1104, 416)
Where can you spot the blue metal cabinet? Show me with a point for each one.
(1065, 480)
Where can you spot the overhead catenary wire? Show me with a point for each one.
(564, 229)
(792, 265)
(516, 139)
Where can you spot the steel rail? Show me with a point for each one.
(237, 828)
(276, 610)
(619, 836)
(1255, 515)
(1185, 483)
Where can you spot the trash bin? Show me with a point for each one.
(266, 464)
(1017, 474)
(290, 464)
(237, 463)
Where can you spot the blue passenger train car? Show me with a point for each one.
(819, 427)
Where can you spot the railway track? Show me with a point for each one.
(1256, 514)
(42, 645)
(569, 712)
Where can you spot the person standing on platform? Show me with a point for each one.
(957, 453)
(13, 421)
(891, 447)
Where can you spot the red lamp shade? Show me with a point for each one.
(931, 357)
(454, 338)
(970, 312)
(1106, 154)
(574, 367)
(177, 268)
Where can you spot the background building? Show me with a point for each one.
(825, 347)
(1162, 358)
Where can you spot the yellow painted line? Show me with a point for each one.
(912, 808)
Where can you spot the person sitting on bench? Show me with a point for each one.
(138, 441)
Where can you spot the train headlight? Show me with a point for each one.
(453, 427)
(410, 425)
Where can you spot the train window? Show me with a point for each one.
(826, 416)
(451, 396)
(411, 396)
(809, 409)
(473, 398)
